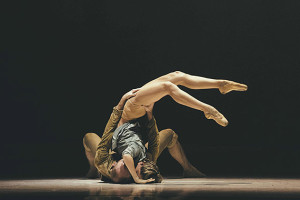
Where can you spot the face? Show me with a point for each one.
(138, 169)
(121, 170)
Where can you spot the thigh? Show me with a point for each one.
(150, 93)
(91, 141)
(155, 89)
(173, 77)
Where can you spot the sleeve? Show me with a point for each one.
(113, 121)
(102, 154)
(153, 140)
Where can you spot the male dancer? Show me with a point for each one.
(150, 93)
(157, 143)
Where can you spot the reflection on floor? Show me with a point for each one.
(204, 188)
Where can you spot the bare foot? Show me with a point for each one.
(212, 113)
(227, 86)
(192, 172)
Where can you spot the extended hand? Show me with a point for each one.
(142, 181)
(131, 93)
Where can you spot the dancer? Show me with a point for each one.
(167, 85)
(129, 143)
(98, 149)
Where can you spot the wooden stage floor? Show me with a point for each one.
(204, 188)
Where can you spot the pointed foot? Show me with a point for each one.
(228, 86)
(212, 113)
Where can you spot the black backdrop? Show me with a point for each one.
(65, 64)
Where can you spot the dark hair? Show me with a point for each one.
(117, 178)
(150, 170)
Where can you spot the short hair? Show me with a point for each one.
(151, 170)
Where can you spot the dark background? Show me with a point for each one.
(65, 64)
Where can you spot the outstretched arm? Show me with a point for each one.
(128, 160)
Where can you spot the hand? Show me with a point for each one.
(131, 93)
(142, 181)
(149, 108)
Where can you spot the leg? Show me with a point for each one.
(167, 85)
(90, 143)
(156, 90)
(198, 82)
(168, 138)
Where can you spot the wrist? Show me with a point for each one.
(121, 104)
(123, 99)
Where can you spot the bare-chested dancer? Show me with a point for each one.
(102, 161)
(167, 85)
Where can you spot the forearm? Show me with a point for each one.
(128, 160)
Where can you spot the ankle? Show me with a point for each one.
(221, 83)
(187, 167)
(209, 109)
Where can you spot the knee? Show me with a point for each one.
(177, 75)
(173, 137)
(87, 138)
(169, 87)
(169, 131)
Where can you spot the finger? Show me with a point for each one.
(135, 90)
(132, 95)
(150, 180)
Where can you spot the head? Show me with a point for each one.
(120, 173)
(148, 169)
